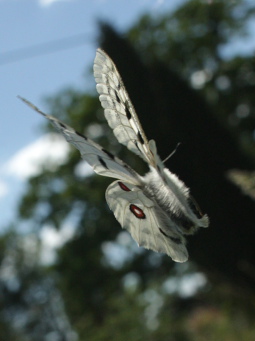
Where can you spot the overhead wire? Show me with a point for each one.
(43, 48)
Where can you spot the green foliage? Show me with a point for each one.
(193, 41)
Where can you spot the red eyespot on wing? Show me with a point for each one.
(138, 212)
(124, 187)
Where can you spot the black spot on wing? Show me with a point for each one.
(81, 135)
(137, 146)
(175, 240)
(140, 137)
(128, 113)
(102, 162)
(117, 97)
(62, 125)
(111, 156)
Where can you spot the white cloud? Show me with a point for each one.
(47, 3)
(48, 152)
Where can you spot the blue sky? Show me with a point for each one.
(25, 23)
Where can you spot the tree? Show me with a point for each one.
(210, 147)
(106, 296)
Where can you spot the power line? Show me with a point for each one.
(43, 49)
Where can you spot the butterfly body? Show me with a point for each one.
(156, 208)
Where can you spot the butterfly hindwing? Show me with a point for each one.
(136, 213)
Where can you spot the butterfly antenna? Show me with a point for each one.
(173, 152)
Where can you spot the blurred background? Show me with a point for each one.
(68, 272)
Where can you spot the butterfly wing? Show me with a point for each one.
(102, 161)
(118, 108)
(137, 213)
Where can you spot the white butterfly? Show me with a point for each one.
(157, 208)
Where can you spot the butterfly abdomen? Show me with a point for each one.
(171, 200)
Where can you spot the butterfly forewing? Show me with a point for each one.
(119, 110)
(103, 162)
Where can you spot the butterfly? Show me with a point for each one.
(157, 208)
